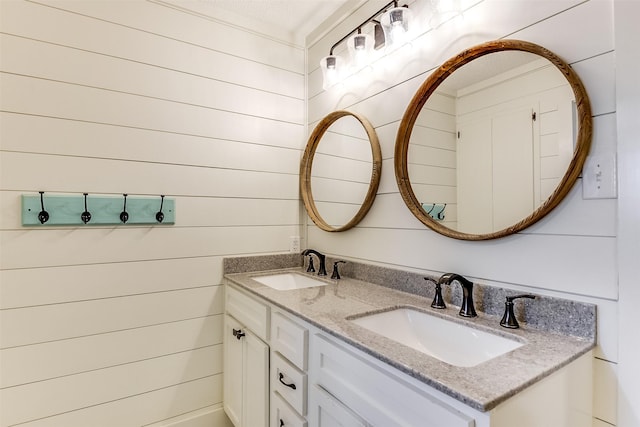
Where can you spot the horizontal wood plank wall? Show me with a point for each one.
(122, 326)
(572, 252)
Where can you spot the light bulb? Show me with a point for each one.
(331, 67)
(360, 50)
(396, 25)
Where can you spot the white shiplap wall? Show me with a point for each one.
(121, 326)
(572, 252)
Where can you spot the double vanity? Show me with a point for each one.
(368, 350)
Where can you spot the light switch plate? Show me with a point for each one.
(599, 177)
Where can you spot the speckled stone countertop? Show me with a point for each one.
(482, 387)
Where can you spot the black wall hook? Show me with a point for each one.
(160, 215)
(124, 216)
(86, 215)
(441, 213)
(43, 216)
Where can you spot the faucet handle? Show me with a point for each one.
(438, 301)
(511, 298)
(311, 268)
(509, 318)
(336, 274)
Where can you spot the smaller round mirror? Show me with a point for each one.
(340, 171)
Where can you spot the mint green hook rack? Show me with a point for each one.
(105, 210)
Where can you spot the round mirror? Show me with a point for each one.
(340, 171)
(493, 140)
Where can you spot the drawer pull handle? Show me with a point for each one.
(238, 333)
(281, 377)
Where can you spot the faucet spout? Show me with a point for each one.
(322, 269)
(466, 309)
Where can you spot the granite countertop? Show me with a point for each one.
(482, 387)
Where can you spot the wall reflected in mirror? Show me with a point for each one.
(493, 141)
(340, 171)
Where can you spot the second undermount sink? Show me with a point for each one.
(448, 341)
(288, 281)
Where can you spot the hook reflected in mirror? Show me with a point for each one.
(435, 210)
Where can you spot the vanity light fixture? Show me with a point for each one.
(390, 27)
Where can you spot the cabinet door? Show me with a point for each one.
(325, 411)
(256, 381)
(233, 378)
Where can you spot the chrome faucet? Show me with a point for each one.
(322, 269)
(466, 309)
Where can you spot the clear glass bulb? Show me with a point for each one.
(332, 68)
(360, 50)
(396, 25)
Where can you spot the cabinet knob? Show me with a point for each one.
(238, 333)
(281, 378)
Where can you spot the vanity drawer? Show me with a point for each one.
(289, 339)
(251, 313)
(377, 394)
(290, 383)
(282, 415)
(325, 411)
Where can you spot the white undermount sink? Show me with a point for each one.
(450, 342)
(289, 281)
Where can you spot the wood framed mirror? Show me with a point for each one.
(340, 171)
(493, 140)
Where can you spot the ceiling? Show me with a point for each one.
(289, 20)
(486, 67)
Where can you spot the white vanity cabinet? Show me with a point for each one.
(246, 360)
